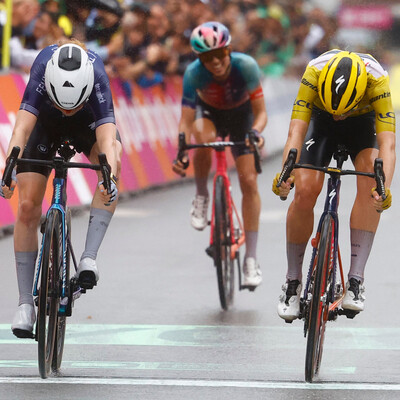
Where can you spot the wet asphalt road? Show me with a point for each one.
(153, 327)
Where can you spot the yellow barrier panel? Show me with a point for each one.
(5, 54)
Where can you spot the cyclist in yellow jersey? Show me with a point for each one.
(344, 98)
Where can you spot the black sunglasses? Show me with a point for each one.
(218, 53)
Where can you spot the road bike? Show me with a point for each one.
(227, 233)
(324, 290)
(54, 289)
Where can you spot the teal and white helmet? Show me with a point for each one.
(209, 36)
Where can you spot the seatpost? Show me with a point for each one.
(340, 155)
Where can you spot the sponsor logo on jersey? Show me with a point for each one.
(303, 103)
(381, 96)
(99, 94)
(305, 82)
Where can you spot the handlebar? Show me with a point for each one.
(291, 164)
(58, 163)
(250, 141)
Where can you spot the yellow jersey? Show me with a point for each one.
(377, 96)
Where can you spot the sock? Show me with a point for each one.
(361, 243)
(251, 244)
(25, 265)
(295, 255)
(201, 185)
(98, 223)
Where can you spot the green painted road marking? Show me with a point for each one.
(203, 383)
(218, 336)
(166, 366)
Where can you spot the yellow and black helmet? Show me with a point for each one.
(342, 82)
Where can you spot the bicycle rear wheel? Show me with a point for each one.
(319, 307)
(62, 318)
(49, 292)
(222, 242)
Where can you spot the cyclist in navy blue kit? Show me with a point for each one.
(222, 95)
(68, 96)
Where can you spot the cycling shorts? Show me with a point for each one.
(234, 123)
(48, 132)
(325, 134)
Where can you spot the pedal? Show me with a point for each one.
(348, 313)
(210, 251)
(248, 287)
(87, 280)
(23, 334)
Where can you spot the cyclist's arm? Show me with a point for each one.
(260, 114)
(24, 124)
(387, 143)
(107, 143)
(297, 132)
(186, 121)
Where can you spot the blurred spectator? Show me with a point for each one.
(45, 31)
(144, 40)
(24, 15)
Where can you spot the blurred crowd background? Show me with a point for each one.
(145, 41)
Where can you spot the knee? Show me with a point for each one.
(248, 184)
(305, 200)
(29, 211)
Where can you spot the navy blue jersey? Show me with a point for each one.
(36, 100)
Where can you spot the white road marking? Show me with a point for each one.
(365, 386)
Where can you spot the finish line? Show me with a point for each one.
(202, 383)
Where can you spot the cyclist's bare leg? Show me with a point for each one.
(100, 214)
(204, 131)
(251, 201)
(300, 216)
(251, 208)
(363, 215)
(364, 219)
(31, 188)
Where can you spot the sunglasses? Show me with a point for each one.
(218, 53)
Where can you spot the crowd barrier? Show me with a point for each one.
(147, 120)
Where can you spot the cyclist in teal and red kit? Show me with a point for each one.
(222, 96)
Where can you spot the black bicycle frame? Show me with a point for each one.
(331, 207)
(58, 204)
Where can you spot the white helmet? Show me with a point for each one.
(69, 76)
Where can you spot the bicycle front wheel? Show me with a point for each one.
(222, 242)
(49, 292)
(61, 317)
(319, 306)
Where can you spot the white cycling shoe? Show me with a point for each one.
(87, 273)
(198, 212)
(24, 319)
(354, 297)
(289, 301)
(252, 274)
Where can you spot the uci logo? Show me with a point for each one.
(302, 103)
(387, 115)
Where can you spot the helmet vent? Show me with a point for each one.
(68, 84)
(70, 58)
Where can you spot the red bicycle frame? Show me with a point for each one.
(222, 171)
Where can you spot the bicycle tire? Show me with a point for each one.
(319, 306)
(62, 319)
(222, 242)
(49, 292)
